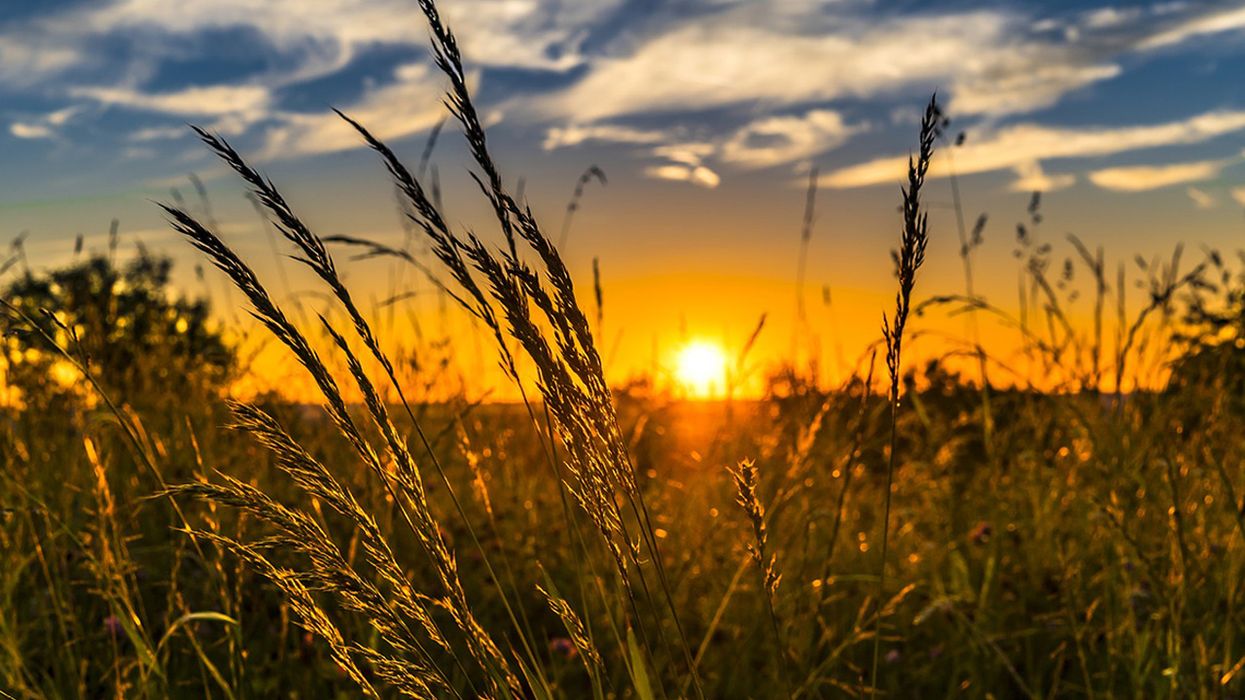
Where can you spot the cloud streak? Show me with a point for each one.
(416, 87)
(213, 100)
(1141, 178)
(680, 172)
(1019, 146)
(1201, 198)
(777, 140)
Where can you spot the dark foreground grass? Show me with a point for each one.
(1098, 554)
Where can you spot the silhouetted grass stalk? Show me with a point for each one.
(569, 367)
(908, 260)
(801, 271)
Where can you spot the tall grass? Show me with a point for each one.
(908, 260)
(599, 473)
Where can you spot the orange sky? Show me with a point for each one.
(706, 116)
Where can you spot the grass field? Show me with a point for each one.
(913, 532)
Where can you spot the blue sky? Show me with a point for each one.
(706, 114)
(1054, 93)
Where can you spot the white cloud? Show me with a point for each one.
(1214, 22)
(777, 140)
(741, 56)
(406, 106)
(329, 33)
(1009, 83)
(1138, 178)
(61, 116)
(299, 40)
(1104, 17)
(212, 100)
(689, 153)
(762, 143)
(1201, 198)
(1019, 145)
(1238, 194)
(23, 130)
(27, 59)
(158, 133)
(574, 135)
(44, 127)
(685, 164)
(1030, 177)
(993, 62)
(695, 174)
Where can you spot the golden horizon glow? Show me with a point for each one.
(700, 368)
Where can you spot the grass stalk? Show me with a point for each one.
(908, 260)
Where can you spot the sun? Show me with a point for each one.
(700, 368)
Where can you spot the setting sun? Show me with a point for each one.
(701, 368)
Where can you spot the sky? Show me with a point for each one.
(706, 116)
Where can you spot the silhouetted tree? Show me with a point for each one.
(146, 346)
(1214, 331)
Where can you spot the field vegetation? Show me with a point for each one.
(953, 527)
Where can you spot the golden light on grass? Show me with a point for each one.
(700, 368)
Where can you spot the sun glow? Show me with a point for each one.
(700, 369)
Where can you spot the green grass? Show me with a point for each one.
(1057, 569)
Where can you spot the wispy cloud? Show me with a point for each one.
(407, 105)
(744, 55)
(575, 135)
(778, 140)
(1201, 198)
(680, 172)
(212, 100)
(1018, 146)
(1107, 17)
(512, 33)
(1139, 178)
(295, 42)
(26, 130)
(1030, 177)
(991, 61)
(26, 59)
(158, 133)
(765, 142)
(1216, 21)
(685, 163)
(44, 127)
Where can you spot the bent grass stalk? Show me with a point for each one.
(403, 484)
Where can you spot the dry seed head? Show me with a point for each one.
(745, 477)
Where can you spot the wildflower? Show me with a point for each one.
(980, 534)
(563, 646)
